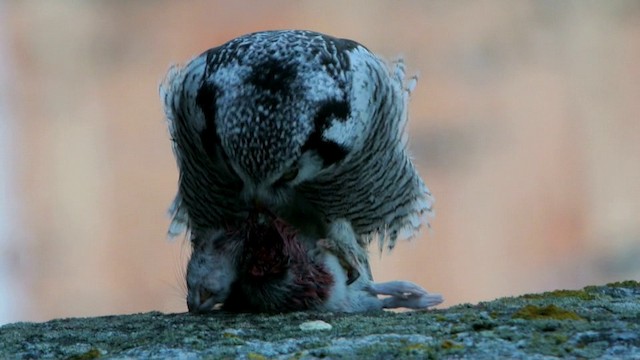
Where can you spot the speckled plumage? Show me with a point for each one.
(308, 126)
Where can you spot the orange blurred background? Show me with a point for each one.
(525, 125)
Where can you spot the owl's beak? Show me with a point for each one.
(263, 214)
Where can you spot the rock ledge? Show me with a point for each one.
(595, 322)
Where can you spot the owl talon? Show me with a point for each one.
(352, 275)
(346, 256)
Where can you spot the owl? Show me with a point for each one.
(300, 127)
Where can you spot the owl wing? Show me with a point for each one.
(207, 188)
(376, 186)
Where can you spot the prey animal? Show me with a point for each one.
(301, 125)
(267, 267)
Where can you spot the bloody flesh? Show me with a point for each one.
(276, 272)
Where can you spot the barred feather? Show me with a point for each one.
(244, 112)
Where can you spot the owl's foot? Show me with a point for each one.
(404, 294)
(342, 242)
(347, 258)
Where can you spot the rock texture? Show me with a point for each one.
(595, 322)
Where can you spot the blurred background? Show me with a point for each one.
(525, 125)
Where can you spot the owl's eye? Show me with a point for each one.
(290, 175)
(287, 176)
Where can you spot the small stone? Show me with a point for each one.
(315, 325)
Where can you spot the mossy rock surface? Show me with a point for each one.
(596, 322)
